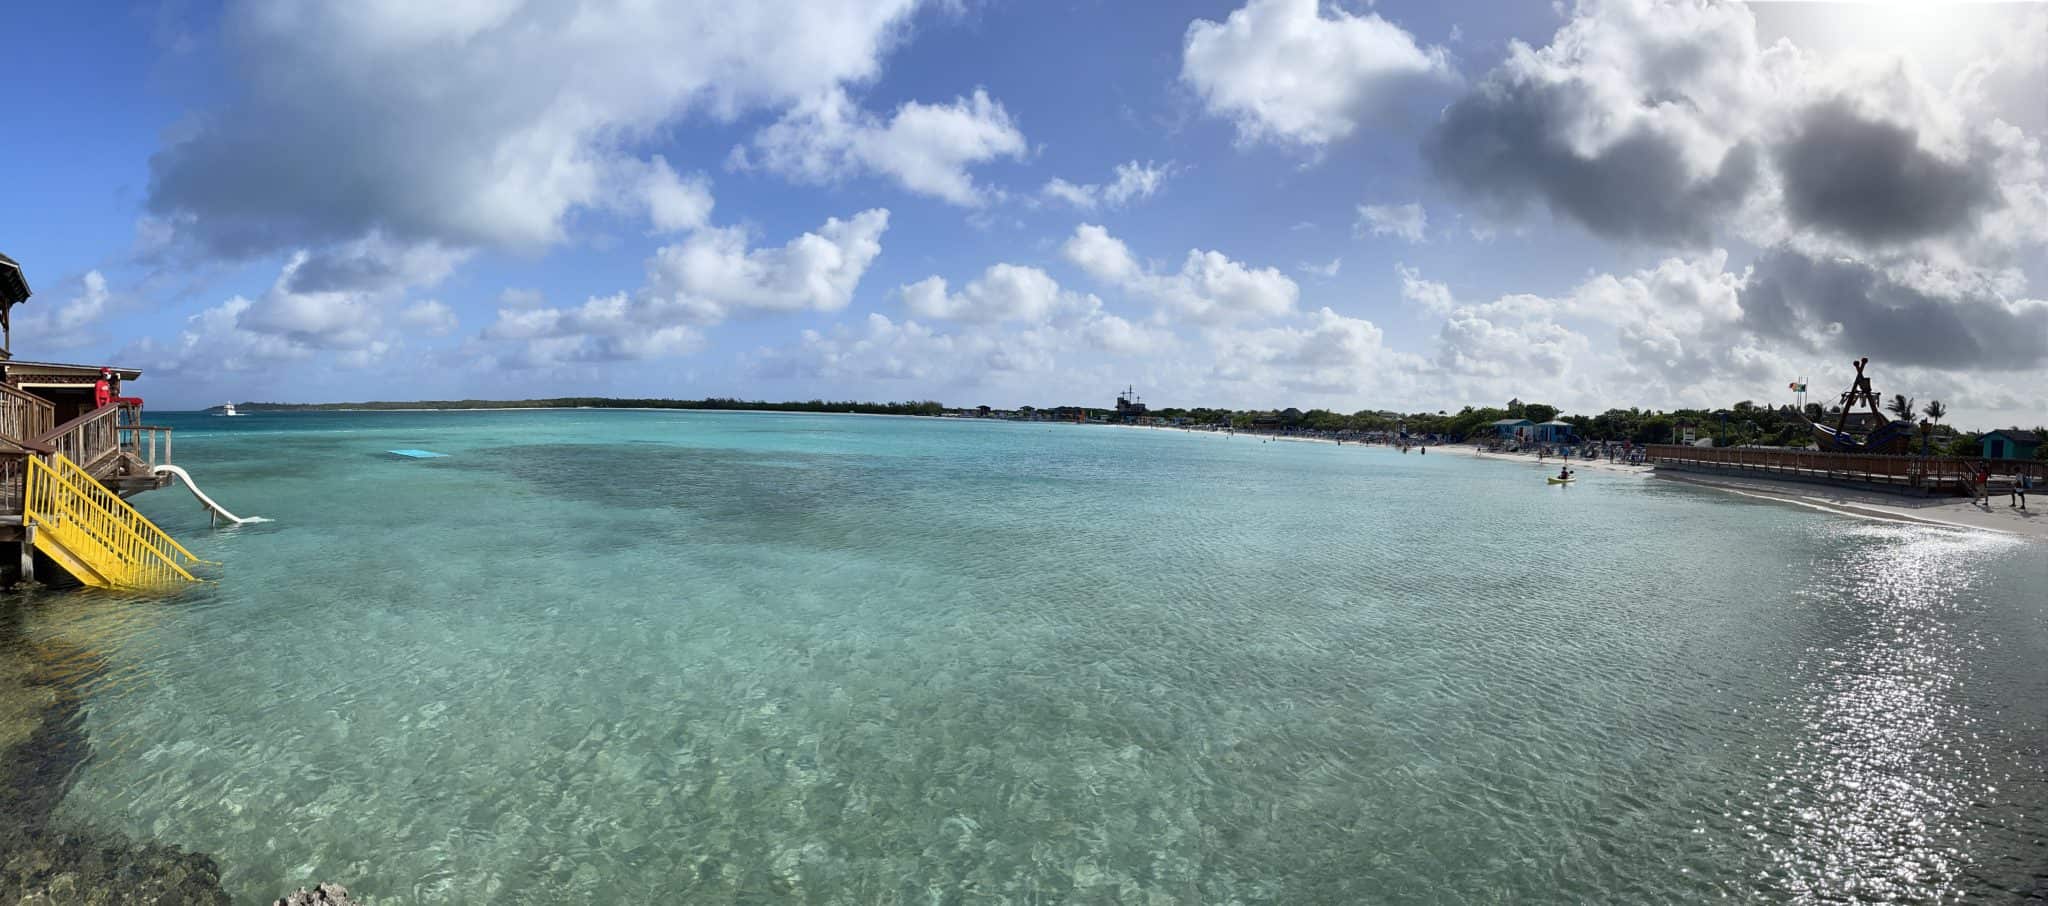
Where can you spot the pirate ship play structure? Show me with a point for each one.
(1893, 436)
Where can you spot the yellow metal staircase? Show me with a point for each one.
(95, 535)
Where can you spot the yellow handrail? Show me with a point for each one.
(74, 526)
(85, 521)
(83, 482)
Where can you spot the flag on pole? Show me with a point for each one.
(1797, 387)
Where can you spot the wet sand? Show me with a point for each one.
(1952, 512)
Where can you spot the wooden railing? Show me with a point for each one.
(24, 416)
(148, 442)
(13, 481)
(1930, 472)
(89, 438)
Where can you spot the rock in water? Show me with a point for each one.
(323, 895)
(38, 866)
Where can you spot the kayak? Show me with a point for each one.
(1556, 480)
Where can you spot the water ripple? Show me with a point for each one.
(724, 658)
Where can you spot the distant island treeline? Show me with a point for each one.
(921, 407)
(1743, 423)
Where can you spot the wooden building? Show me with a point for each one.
(2010, 443)
(1510, 428)
(72, 449)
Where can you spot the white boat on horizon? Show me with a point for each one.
(228, 409)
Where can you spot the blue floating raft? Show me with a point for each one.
(417, 454)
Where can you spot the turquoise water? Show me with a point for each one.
(593, 656)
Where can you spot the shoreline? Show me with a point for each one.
(1958, 513)
(1954, 513)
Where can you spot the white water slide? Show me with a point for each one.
(214, 509)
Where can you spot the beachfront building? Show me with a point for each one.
(1510, 428)
(73, 448)
(2011, 443)
(1553, 432)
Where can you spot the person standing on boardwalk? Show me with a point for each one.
(108, 390)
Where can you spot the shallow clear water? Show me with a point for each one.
(748, 657)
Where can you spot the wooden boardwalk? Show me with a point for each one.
(1902, 474)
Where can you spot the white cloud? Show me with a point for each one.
(1212, 287)
(1675, 336)
(1114, 334)
(1133, 181)
(67, 325)
(1283, 70)
(430, 317)
(1209, 288)
(213, 341)
(1005, 292)
(714, 273)
(708, 277)
(1330, 354)
(311, 308)
(481, 123)
(878, 349)
(1536, 350)
(1435, 298)
(674, 204)
(1136, 181)
(1103, 256)
(1324, 271)
(911, 353)
(925, 148)
(603, 329)
(333, 305)
(1030, 359)
(1077, 195)
(1408, 221)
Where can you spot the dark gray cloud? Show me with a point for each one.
(301, 164)
(1797, 298)
(1507, 144)
(1869, 180)
(353, 267)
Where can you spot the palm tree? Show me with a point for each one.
(1935, 410)
(1901, 406)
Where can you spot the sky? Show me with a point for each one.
(1245, 203)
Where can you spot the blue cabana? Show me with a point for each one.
(1553, 433)
(1512, 427)
(2010, 443)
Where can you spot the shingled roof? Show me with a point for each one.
(13, 286)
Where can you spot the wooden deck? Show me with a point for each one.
(109, 443)
(1932, 475)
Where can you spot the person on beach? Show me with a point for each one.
(2020, 484)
